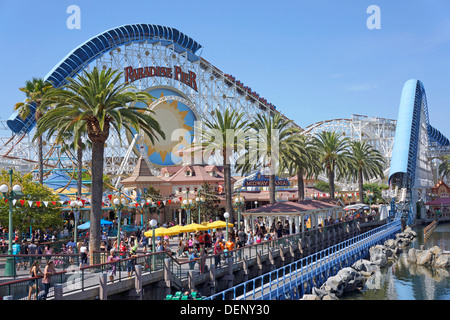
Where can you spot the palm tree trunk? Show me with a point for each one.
(361, 182)
(40, 160)
(272, 188)
(331, 182)
(37, 116)
(80, 166)
(301, 184)
(96, 195)
(227, 185)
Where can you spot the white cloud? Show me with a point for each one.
(361, 87)
(342, 74)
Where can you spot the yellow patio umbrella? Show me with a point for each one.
(176, 230)
(194, 227)
(219, 224)
(159, 232)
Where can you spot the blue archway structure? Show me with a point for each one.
(95, 47)
(411, 121)
(410, 168)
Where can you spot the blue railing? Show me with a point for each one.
(298, 278)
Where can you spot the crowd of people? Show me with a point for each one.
(194, 247)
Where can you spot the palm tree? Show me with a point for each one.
(225, 133)
(69, 144)
(34, 91)
(273, 134)
(366, 163)
(95, 103)
(333, 153)
(444, 167)
(300, 159)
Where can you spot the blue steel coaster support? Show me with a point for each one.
(312, 270)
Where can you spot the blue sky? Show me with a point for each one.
(315, 60)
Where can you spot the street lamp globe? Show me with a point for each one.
(153, 223)
(73, 204)
(116, 201)
(17, 188)
(4, 188)
(197, 199)
(80, 203)
(226, 215)
(185, 202)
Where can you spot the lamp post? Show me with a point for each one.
(187, 204)
(76, 205)
(143, 215)
(238, 202)
(226, 215)
(15, 193)
(199, 201)
(370, 195)
(153, 224)
(119, 204)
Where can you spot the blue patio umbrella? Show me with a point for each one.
(86, 225)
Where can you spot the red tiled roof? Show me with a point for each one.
(289, 206)
(438, 202)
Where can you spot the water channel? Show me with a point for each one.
(404, 281)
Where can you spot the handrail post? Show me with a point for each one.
(103, 288)
(212, 279)
(138, 281)
(191, 280)
(58, 291)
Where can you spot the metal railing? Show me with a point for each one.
(296, 278)
(75, 278)
(180, 267)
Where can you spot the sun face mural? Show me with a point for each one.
(176, 119)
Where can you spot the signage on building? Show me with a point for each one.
(261, 180)
(188, 78)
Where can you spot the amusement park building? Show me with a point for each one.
(167, 63)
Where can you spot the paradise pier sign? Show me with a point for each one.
(188, 78)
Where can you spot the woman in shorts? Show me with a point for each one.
(35, 272)
(83, 254)
(112, 258)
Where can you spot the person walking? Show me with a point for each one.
(35, 273)
(112, 258)
(83, 254)
(192, 257)
(24, 251)
(48, 272)
(217, 251)
(202, 261)
(16, 251)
